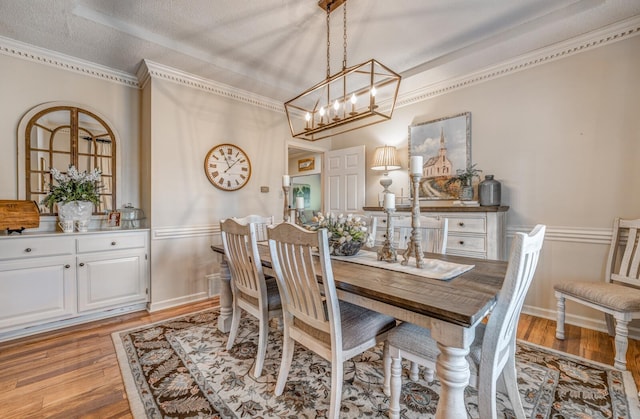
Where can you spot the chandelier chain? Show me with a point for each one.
(344, 36)
(328, 40)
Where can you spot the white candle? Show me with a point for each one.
(300, 202)
(389, 201)
(286, 181)
(416, 165)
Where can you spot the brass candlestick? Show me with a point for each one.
(286, 211)
(415, 247)
(387, 252)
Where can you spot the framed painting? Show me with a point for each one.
(445, 147)
(301, 189)
(306, 164)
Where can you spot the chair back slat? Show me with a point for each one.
(239, 241)
(261, 222)
(433, 233)
(501, 329)
(294, 262)
(624, 255)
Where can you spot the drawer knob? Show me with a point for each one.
(28, 250)
(81, 263)
(113, 243)
(461, 242)
(67, 266)
(461, 224)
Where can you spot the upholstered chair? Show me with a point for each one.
(312, 314)
(492, 353)
(618, 296)
(252, 292)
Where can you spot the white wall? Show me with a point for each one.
(25, 84)
(564, 140)
(185, 123)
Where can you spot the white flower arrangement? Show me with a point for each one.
(350, 230)
(73, 186)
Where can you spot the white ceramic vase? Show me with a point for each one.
(78, 212)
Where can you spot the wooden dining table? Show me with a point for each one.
(450, 308)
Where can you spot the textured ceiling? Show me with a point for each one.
(277, 48)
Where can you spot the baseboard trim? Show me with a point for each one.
(175, 302)
(79, 319)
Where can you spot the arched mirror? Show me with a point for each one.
(60, 136)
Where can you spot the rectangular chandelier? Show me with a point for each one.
(356, 97)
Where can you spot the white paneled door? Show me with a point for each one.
(345, 180)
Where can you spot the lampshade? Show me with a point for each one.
(386, 158)
(353, 98)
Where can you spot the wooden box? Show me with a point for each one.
(17, 215)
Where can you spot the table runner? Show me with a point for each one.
(433, 268)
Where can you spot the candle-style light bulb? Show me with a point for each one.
(336, 108)
(307, 118)
(373, 98)
(321, 115)
(354, 99)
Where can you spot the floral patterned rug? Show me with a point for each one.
(179, 368)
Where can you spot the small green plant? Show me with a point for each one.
(465, 177)
(73, 186)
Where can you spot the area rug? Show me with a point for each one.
(179, 368)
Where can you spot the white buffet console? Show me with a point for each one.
(52, 280)
(473, 231)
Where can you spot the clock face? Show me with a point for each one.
(227, 167)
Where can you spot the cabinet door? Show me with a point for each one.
(36, 290)
(110, 279)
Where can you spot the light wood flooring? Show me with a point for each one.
(74, 373)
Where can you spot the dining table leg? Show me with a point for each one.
(226, 298)
(453, 373)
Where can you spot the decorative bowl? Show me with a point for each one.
(347, 248)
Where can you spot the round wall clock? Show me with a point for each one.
(227, 167)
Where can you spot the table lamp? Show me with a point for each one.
(385, 159)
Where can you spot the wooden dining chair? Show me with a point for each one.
(252, 292)
(261, 222)
(312, 315)
(492, 353)
(618, 296)
(433, 233)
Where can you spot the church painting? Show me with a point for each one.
(445, 147)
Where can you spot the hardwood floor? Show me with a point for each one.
(74, 373)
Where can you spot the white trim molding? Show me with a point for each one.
(568, 234)
(29, 52)
(613, 33)
(179, 232)
(149, 69)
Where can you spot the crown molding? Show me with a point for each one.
(148, 70)
(29, 52)
(612, 33)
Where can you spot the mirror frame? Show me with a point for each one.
(29, 118)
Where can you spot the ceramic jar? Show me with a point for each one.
(489, 191)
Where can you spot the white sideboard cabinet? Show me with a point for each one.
(52, 280)
(473, 231)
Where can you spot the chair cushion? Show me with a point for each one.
(359, 324)
(273, 295)
(417, 341)
(612, 296)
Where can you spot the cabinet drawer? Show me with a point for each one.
(466, 243)
(35, 247)
(110, 242)
(467, 225)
